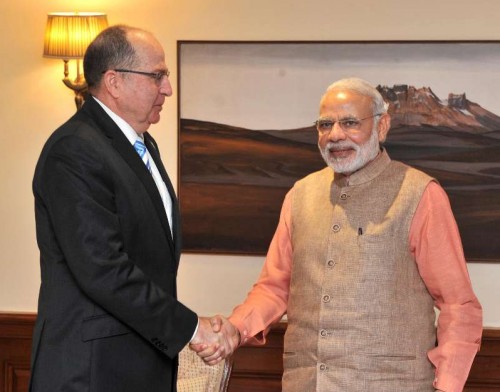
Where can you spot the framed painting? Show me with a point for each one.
(246, 134)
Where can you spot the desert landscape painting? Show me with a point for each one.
(235, 168)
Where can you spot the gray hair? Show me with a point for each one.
(361, 87)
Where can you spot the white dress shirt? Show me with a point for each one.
(132, 136)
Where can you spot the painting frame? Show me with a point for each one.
(234, 231)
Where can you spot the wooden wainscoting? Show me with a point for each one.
(255, 369)
(485, 373)
(259, 368)
(16, 330)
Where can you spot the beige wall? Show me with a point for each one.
(33, 102)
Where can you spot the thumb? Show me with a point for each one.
(197, 347)
(216, 323)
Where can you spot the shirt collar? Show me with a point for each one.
(124, 126)
(367, 173)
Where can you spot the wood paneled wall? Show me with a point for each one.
(255, 369)
(15, 349)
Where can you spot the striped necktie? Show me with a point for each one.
(140, 147)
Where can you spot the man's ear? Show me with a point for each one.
(111, 83)
(383, 126)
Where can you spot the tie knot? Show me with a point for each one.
(140, 147)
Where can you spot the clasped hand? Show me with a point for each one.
(215, 340)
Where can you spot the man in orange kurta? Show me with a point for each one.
(361, 255)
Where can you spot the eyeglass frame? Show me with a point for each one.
(156, 76)
(342, 123)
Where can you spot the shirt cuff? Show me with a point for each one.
(195, 330)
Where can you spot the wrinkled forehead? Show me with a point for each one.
(346, 100)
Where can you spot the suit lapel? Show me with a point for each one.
(121, 144)
(153, 151)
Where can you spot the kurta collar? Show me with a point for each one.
(367, 173)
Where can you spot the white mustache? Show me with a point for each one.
(339, 146)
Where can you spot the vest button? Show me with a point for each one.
(323, 367)
(326, 298)
(343, 196)
(323, 333)
(331, 263)
(336, 228)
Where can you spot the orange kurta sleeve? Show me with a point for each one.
(266, 303)
(436, 244)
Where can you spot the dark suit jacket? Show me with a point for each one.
(108, 317)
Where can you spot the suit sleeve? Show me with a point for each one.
(79, 193)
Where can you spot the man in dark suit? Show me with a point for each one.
(108, 224)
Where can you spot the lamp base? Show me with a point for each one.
(79, 85)
(80, 88)
(80, 97)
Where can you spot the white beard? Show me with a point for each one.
(364, 153)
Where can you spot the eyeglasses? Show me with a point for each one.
(348, 125)
(157, 76)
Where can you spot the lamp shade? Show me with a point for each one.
(68, 34)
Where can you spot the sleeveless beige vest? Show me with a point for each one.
(359, 316)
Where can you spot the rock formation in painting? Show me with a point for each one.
(410, 106)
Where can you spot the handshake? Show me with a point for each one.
(215, 340)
